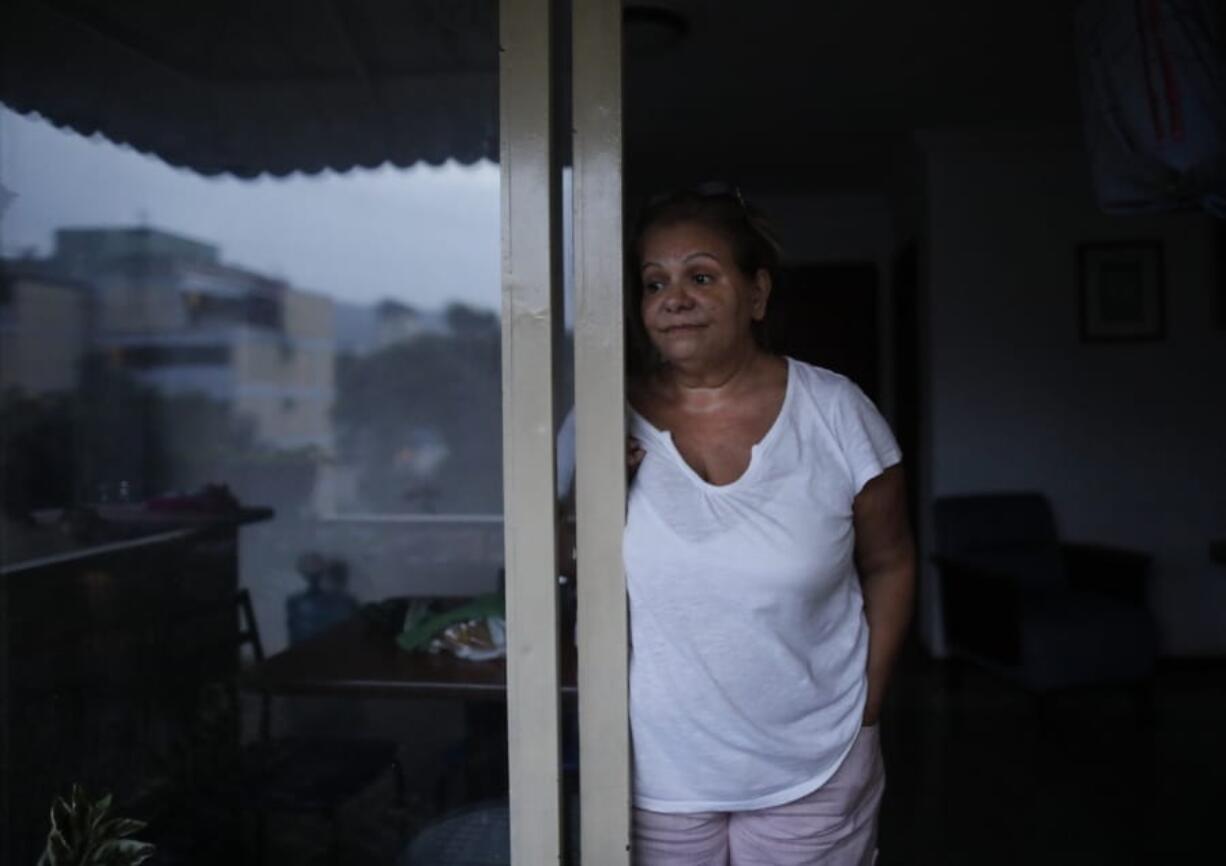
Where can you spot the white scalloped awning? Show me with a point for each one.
(274, 87)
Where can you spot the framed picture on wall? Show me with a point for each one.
(1121, 291)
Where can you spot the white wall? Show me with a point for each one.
(1129, 441)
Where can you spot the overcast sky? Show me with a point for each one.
(425, 236)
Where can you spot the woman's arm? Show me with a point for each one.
(885, 559)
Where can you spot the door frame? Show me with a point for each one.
(532, 299)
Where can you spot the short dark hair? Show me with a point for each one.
(721, 207)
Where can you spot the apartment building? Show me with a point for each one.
(168, 309)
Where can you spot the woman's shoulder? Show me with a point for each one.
(834, 398)
(819, 382)
(841, 405)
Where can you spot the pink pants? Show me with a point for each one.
(836, 825)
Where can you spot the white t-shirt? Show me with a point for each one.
(748, 637)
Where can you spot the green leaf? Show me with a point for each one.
(132, 848)
(117, 828)
(58, 850)
(79, 800)
(123, 852)
(78, 825)
(61, 815)
(97, 818)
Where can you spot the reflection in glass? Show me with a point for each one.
(311, 366)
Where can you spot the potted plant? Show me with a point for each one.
(83, 834)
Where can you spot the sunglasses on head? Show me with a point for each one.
(706, 189)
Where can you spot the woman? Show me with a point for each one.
(769, 564)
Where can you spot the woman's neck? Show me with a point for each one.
(706, 385)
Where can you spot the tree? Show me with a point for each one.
(449, 385)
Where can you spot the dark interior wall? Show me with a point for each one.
(838, 229)
(1128, 440)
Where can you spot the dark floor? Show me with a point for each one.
(977, 774)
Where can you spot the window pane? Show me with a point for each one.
(251, 374)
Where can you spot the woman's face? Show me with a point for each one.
(697, 305)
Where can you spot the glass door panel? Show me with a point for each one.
(251, 316)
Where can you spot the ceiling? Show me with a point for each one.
(822, 92)
(812, 93)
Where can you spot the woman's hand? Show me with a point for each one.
(634, 456)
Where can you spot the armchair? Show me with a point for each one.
(1021, 604)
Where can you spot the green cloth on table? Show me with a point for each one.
(422, 626)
